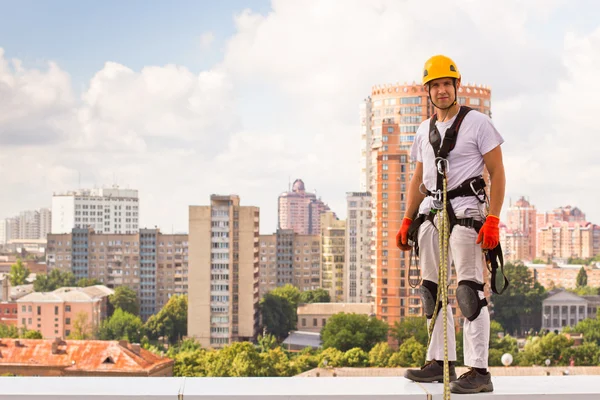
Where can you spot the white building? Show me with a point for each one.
(4, 231)
(111, 210)
(45, 222)
(357, 274)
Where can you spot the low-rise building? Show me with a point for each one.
(39, 357)
(313, 317)
(564, 308)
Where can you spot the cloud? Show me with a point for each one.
(283, 104)
(206, 40)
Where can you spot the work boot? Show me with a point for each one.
(473, 382)
(432, 371)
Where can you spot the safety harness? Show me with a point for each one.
(471, 187)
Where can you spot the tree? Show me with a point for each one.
(380, 354)
(346, 331)
(582, 278)
(31, 334)
(121, 325)
(266, 343)
(410, 354)
(589, 327)
(584, 355)
(278, 315)
(81, 327)
(9, 331)
(538, 349)
(126, 299)
(315, 296)
(53, 280)
(415, 327)
(331, 357)
(18, 273)
(584, 291)
(85, 282)
(356, 357)
(189, 363)
(523, 297)
(171, 320)
(498, 347)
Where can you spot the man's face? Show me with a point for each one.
(442, 91)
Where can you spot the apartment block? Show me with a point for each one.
(521, 222)
(28, 225)
(53, 314)
(106, 210)
(224, 272)
(357, 270)
(561, 240)
(333, 243)
(288, 257)
(153, 264)
(553, 276)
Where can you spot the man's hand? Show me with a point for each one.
(489, 235)
(402, 235)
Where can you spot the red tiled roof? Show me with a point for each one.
(80, 355)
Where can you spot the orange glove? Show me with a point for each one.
(489, 235)
(402, 235)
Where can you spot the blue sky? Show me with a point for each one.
(276, 96)
(82, 35)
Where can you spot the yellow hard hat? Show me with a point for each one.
(439, 67)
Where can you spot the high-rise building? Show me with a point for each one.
(357, 273)
(333, 243)
(45, 222)
(224, 271)
(30, 224)
(521, 230)
(515, 244)
(567, 214)
(105, 210)
(287, 257)
(153, 264)
(561, 240)
(390, 117)
(300, 211)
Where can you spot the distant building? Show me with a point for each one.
(105, 210)
(300, 210)
(357, 268)
(31, 357)
(313, 317)
(563, 309)
(333, 243)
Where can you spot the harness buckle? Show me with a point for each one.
(443, 166)
(476, 192)
(437, 199)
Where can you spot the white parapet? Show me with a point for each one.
(334, 388)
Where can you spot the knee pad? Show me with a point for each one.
(468, 299)
(429, 297)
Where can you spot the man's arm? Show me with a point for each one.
(415, 197)
(495, 166)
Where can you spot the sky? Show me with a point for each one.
(184, 99)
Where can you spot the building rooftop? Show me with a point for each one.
(70, 294)
(334, 308)
(75, 356)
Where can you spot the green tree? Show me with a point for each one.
(266, 343)
(380, 354)
(290, 292)
(9, 331)
(85, 282)
(499, 347)
(276, 362)
(121, 325)
(346, 331)
(126, 299)
(411, 353)
(410, 327)
(584, 291)
(523, 297)
(356, 357)
(31, 334)
(189, 363)
(237, 359)
(53, 280)
(171, 320)
(18, 273)
(539, 261)
(585, 355)
(278, 315)
(589, 327)
(315, 296)
(82, 329)
(550, 346)
(582, 278)
(331, 357)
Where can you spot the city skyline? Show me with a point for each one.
(181, 101)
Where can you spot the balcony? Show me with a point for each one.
(580, 387)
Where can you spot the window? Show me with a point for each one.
(324, 321)
(303, 321)
(39, 310)
(410, 100)
(68, 308)
(68, 321)
(474, 101)
(314, 322)
(55, 310)
(390, 129)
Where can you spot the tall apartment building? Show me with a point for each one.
(357, 270)
(300, 211)
(390, 117)
(520, 231)
(105, 210)
(153, 264)
(287, 257)
(224, 272)
(564, 239)
(333, 243)
(568, 214)
(30, 224)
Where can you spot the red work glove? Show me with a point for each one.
(402, 235)
(489, 235)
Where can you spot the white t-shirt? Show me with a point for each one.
(477, 136)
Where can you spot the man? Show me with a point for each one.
(477, 144)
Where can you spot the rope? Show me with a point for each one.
(442, 292)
